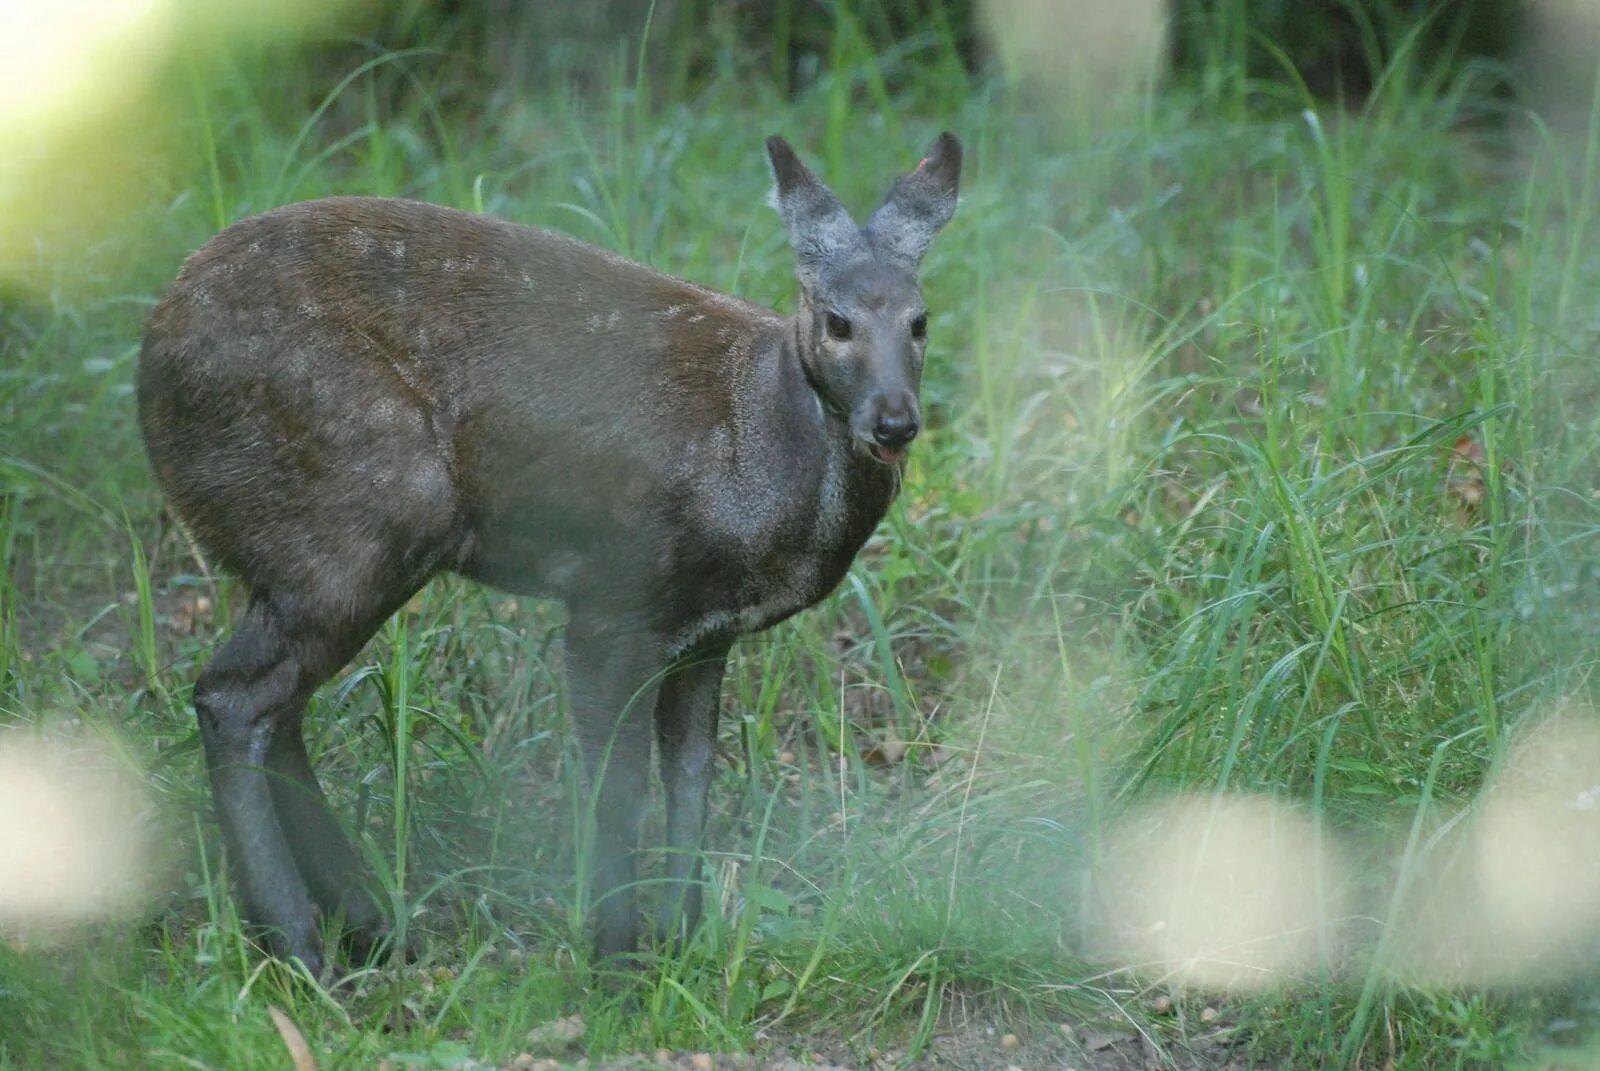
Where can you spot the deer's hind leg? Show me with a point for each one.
(255, 687)
(289, 852)
(328, 862)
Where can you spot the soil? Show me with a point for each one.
(973, 1047)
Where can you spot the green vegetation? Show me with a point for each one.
(1261, 456)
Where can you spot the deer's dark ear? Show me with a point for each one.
(920, 204)
(819, 228)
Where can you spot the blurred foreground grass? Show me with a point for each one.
(1261, 457)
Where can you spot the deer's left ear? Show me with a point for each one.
(920, 204)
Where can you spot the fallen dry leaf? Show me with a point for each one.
(886, 752)
(1464, 479)
(293, 1040)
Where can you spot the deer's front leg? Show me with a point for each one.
(686, 729)
(612, 677)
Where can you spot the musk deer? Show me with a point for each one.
(344, 397)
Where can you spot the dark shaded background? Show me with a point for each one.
(1334, 45)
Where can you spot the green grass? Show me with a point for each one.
(1184, 519)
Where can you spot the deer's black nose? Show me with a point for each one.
(895, 429)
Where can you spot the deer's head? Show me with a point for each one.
(862, 323)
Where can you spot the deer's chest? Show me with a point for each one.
(771, 568)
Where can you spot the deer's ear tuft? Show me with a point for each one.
(921, 203)
(820, 230)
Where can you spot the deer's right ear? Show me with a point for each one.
(820, 229)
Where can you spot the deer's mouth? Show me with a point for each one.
(888, 455)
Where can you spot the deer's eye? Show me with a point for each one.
(919, 326)
(838, 327)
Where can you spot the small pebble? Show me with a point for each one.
(1161, 1005)
(1010, 1041)
(1208, 1014)
(663, 1056)
(702, 1061)
(786, 757)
